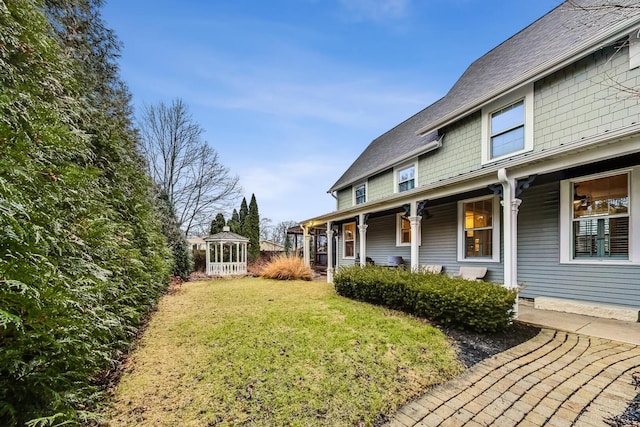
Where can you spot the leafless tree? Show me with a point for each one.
(185, 166)
(265, 228)
(279, 231)
(614, 11)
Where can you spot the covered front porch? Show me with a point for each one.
(421, 232)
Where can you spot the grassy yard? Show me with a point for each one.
(263, 353)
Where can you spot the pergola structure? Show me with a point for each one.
(226, 254)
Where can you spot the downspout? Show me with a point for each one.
(510, 205)
(335, 196)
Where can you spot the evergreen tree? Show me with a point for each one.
(82, 257)
(242, 215)
(252, 229)
(217, 224)
(234, 222)
(287, 244)
(176, 239)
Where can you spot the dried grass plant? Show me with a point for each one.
(287, 267)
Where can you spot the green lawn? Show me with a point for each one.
(263, 353)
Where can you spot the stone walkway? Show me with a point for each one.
(555, 379)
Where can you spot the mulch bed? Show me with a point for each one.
(474, 347)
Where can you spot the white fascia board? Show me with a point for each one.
(582, 50)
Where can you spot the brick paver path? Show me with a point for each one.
(555, 379)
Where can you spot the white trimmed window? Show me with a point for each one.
(507, 126)
(360, 193)
(597, 222)
(403, 231)
(479, 229)
(405, 177)
(349, 240)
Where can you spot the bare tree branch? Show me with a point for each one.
(182, 164)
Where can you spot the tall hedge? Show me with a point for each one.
(82, 258)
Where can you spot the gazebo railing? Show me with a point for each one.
(227, 268)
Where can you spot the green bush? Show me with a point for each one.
(82, 257)
(479, 306)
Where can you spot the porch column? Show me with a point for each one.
(306, 241)
(362, 228)
(415, 241)
(329, 253)
(510, 207)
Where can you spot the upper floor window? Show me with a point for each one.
(507, 126)
(349, 240)
(406, 178)
(360, 193)
(479, 233)
(600, 223)
(507, 130)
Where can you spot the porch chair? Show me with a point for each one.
(395, 261)
(471, 273)
(431, 268)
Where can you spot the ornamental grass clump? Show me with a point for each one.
(287, 267)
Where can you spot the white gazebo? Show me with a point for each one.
(226, 254)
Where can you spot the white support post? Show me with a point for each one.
(329, 253)
(510, 209)
(362, 228)
(306, 242)
(415, 241)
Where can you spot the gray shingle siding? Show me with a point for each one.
(585, 99)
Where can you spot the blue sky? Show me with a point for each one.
(290, 92)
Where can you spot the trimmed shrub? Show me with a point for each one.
(286, 267)
(478, 306)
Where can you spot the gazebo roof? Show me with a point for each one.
(226, 236)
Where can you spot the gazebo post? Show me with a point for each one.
(208, 258)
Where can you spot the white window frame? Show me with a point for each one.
(399, 241)
(366, 191)
(566, 219)
(396, 174)
(495, 238)
(526, 94)
(344, 241)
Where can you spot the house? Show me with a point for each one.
(197, 243)
(529, 166)
(271, 247)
